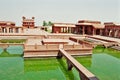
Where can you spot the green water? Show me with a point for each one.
(104, 63)
(16, 68)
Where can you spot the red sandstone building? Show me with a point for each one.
(82, 27)
(63, 28)
(111, 29)
(7, 23)
(89, 27)
(8, 27)
(28, 23)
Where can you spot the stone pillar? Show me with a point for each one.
(7, 29)
(2, 30)
(100, 31)
(13, 30)
(83, 30)
(62, 30)
(69, 65)
(110, 32)
(93, 32)
(20, 30)
(82, 76)
(67, 30)
(116, 33)
(59, 55)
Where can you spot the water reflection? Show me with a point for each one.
(86, 60)
(72, 74)
(11, 51)
(43, 69)
(104, 63)
(15, 50)
(11, 68)
(105, 66)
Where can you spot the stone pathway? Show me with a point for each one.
(108, 38)
(36, 31)
(34, 42)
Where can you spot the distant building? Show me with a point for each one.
(7, 23)
(82, 27)
(111, 29)
(89, 27)
(9, 27)
(63, 28)
(28, 23)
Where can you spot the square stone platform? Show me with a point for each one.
(55, 41)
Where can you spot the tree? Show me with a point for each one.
(45, 23)
(49, 23)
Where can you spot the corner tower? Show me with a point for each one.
(28, 23)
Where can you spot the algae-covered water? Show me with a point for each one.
(104, 63)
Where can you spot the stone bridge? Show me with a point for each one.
(71, 62)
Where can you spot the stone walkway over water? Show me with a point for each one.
(71, 62)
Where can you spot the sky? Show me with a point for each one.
(67, 11)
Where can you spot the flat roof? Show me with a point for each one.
(91, 24)
(89, 21)
(64, 24)
(7, 22)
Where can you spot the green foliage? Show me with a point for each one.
(49, 23)
(44, 23)
(12, 40)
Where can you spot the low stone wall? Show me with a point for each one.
(52, 50)
(41, 53)
(13, 37)
(87, 51)
(58, 37)
(41, 47)
(6, 45)
(66, 47)
(84, 44)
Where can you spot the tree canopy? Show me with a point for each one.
(49, 23)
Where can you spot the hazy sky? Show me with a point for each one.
(60, 10)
